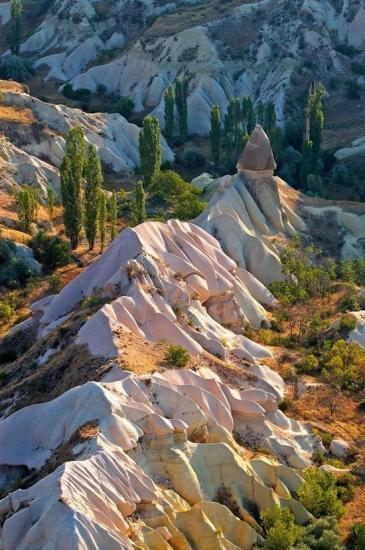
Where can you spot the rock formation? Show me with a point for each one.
(136, 49)
(253, 214)
(165, 281)
(257, 156)
(33, 141)
(146, 462)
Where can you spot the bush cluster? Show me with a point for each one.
(51, 251)
(14, 270)
(177, 356)
(174, 192)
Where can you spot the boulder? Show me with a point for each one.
(339, 448)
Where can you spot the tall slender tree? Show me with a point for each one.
(27, 203)
(181, 100)
(270, 117)
(233, 129)
(169, 114)
(150, 149)
(113, 215)
(215, 134)
(102, 216)
(93, 184)
(15, 34)
(248, 114)
(138, 210)
(260, 113)
(307, 161)
(71, 173)
(314, 115)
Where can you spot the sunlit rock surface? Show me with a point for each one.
(162, 451)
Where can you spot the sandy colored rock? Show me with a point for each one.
(257, 155)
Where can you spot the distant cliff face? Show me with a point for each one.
(268, 49)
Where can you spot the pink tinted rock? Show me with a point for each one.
(257, 156)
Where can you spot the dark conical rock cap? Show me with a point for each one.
(257, 156)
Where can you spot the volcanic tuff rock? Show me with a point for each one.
(34, 138)
(136, 48)
(253, 214)
(142, 447)
(165, 281)
(257, 156)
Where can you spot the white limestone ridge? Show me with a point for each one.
(165, 281)
(141, 479)
(17, 167)
(254, 213)
(148, 54)
(44, 131)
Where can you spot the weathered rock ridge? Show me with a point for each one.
(140, 479)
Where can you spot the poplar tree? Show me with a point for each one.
(248, 115)
(233, 129)
(260, 113)
(27, 203)
(102, 216)
(270, 118)
(16, 11)
(307, 161)
(215, 134)
(138, 209)
(181, 100)
(50, 203)
(314, 115)
(113, 213)
(71, 173)
(150, 148)
(93, 185)
(169, 114)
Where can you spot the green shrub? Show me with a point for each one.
(15, 272)
(125, 106)
(7, 250)
(54, 284)
(15, 67)
(353, 89)
(169, 187)
(322, 534)
(50, 251)
(13, 299)
(357, 537)
(346, 486)
(265, 337)
(343, 364)
(81, 94)
(326, 438)
(341, 175)
(285, 404)
(347, 323)
(289, 373)
(282, 533)
(177, 355)
(93, 302)
(308, 364)
(189, 207)
(192, 158)
(6, 311)
(358, 68)
(319, 494)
